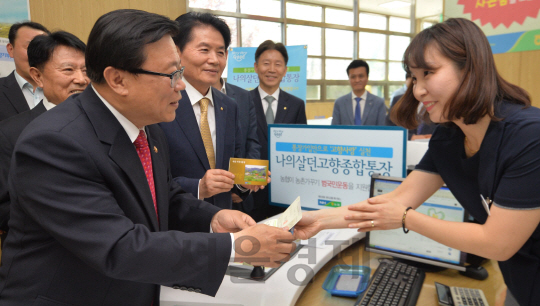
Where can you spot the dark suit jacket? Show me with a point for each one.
(83, 229)
(10, 129)
(374, 111)
(12, 100)
(250, 147)
(189, 162)
(290, 110)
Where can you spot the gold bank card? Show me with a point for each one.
(249, 171)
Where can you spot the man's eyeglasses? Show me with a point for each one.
(175, 76)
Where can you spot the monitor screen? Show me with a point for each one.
(413, 246)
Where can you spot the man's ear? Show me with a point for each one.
(36, 76)
(9, 48)
(256, 68)
(117, 80)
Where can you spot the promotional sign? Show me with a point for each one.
(331, 166)
(241, 72)
(510, 25)
(12, 11)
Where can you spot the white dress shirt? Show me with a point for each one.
(48, 105)
(32, 97)
(133, 132)
(223, 88)
(362, 103)
(263, 94)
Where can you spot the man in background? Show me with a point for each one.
(250, 147)
(272, 105)
(18, 91)
(206, 131)
(359, 107)
(57, 66)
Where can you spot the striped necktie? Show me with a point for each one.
(205, 133)
(269, 111)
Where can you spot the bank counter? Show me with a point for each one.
(299, 281)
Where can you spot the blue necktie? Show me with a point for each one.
(357, 112)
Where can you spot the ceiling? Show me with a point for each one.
(424, 8)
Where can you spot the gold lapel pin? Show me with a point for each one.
(285, 107)
(155, 149)
(222, 108)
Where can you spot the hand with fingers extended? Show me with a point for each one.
(215, 181)
(377, 213)
(263, 245)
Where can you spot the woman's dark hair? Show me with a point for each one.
(464, 43)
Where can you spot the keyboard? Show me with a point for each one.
(393, 284)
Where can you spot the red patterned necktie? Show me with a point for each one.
(141, 145)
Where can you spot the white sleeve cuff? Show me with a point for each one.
(198, 192)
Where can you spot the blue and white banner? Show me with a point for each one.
(241, 71)
(331, 166)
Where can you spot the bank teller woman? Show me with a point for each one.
(487, 146)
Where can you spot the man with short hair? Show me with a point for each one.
(57, 66)
(359, 107)
(96, 218)
(272, 105)
(18, 91)
(206, 132)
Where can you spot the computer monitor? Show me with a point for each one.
(414, 247)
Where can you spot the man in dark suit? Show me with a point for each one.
(46, 54)
(18, 91)
(250, 147)
(95, 217)
(204, 137)
(359, 107)
(272, 105)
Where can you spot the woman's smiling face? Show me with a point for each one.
(436, 85)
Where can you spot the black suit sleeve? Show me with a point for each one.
(6, 148)
(301, 117)
(253, 148)
(60, 185)
(238, 152)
